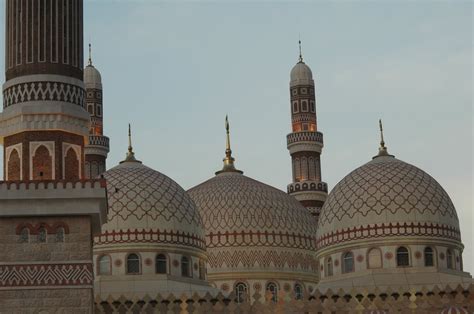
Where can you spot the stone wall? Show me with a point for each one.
(419, 301)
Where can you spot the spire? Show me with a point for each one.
(90, 54)
(301, 54)
(382, 149)
(130, 157)
(228, 160)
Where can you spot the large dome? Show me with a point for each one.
(387, 191)
(92, 77)
(301, 75)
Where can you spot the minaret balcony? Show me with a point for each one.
(304, 141)
(98, 145)
(308, 190)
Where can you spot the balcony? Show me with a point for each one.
(304, 136)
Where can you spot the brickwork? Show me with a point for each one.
(42, 164)
(58, 137)
(71, 165)
(14, 164)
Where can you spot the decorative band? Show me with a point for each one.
(388, 230)
(37, 275)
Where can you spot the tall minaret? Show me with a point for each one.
(98, 148)
(305, 143)
(44, 124)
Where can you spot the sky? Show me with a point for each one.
(175, 69)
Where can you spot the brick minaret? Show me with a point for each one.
(44, 122)
(97, 149)
(305, 143)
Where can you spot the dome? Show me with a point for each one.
(301, 75)
(92, 77)
(142, 198)
(387, 191)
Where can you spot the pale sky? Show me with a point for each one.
(175, 69)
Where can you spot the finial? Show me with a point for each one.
(130, 157)
(90, 54)
(382, 149)
(228, 160)
(301, 54)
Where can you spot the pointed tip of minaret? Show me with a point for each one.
(228, 160)
(382, 149)
(90, 54)
(130, 157)
(300, 59)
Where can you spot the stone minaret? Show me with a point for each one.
(44, 123)
(305, 143)
(98, 147)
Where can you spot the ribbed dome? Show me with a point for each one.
(388, 191)
(92, 77)
(231, 202)
(142, 198)
(301, 75)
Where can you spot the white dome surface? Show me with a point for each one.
(386, 191)
(92, 77)
(301, 75)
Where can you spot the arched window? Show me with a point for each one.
(60, 234)
(304, 106)
(104, 265)
(347, 262)
(133, 264)
(24, 235)
(202, 270)
(185, 267)
(161, 264)
(449, 259)
(329, 267)
(403, 257)
(298, 291)
(240, 292)
(273, 288)
(42, 235)
(429, 260)
(374, 258)
(295, 107)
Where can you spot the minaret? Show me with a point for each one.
(97, 149)
(44, 124)
(305, 143)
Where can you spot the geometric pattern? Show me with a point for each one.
(46, 275)
(43, 91)
(386, 190)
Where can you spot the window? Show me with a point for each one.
(99, 111)
(202, 270)
(304, 91)
(104, 265)
(24, 235)
(403, 258)
(60, 234)
(272, 287)
(347, 262)
(133, 264)
(185, 267)
(298, 292)
(304, 106)
(449, 259)
(240, 292)
(311, 103)
(42, 235)
(305, 127)
(161, 264)
(329, 267)
(429, 260)
(295, 107)
(90, 109)
(374, 258)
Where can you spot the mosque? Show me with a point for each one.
(72, 228)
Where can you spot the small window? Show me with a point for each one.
(99, 95)
(296, 108)
(449, 259)
(273, 288)
(202, 270)
(403, 258)
(133, 264)
(60, 234)
(161, 264)
(240, 292)
(347, 262)
(104, 265)
(99, 111)
(42, 235)
(185, 272)
(305, 127)
(90, 94)
(298, 292)
(304, 91)
(90, 109)
(24, 235)
(329, 271)
(311, 103)
(429, 260)
(294, 91)
(304, 106)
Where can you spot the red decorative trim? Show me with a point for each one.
(37, 275)
(257, 238)
(34, 229)
(388, 230)
(118, 262)
(417, 254)
(53, 184)
(148, 262)
(360, 258)
(389, 255)
(150, 236)
(175, 263)
(257, 286)
(336, 262)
